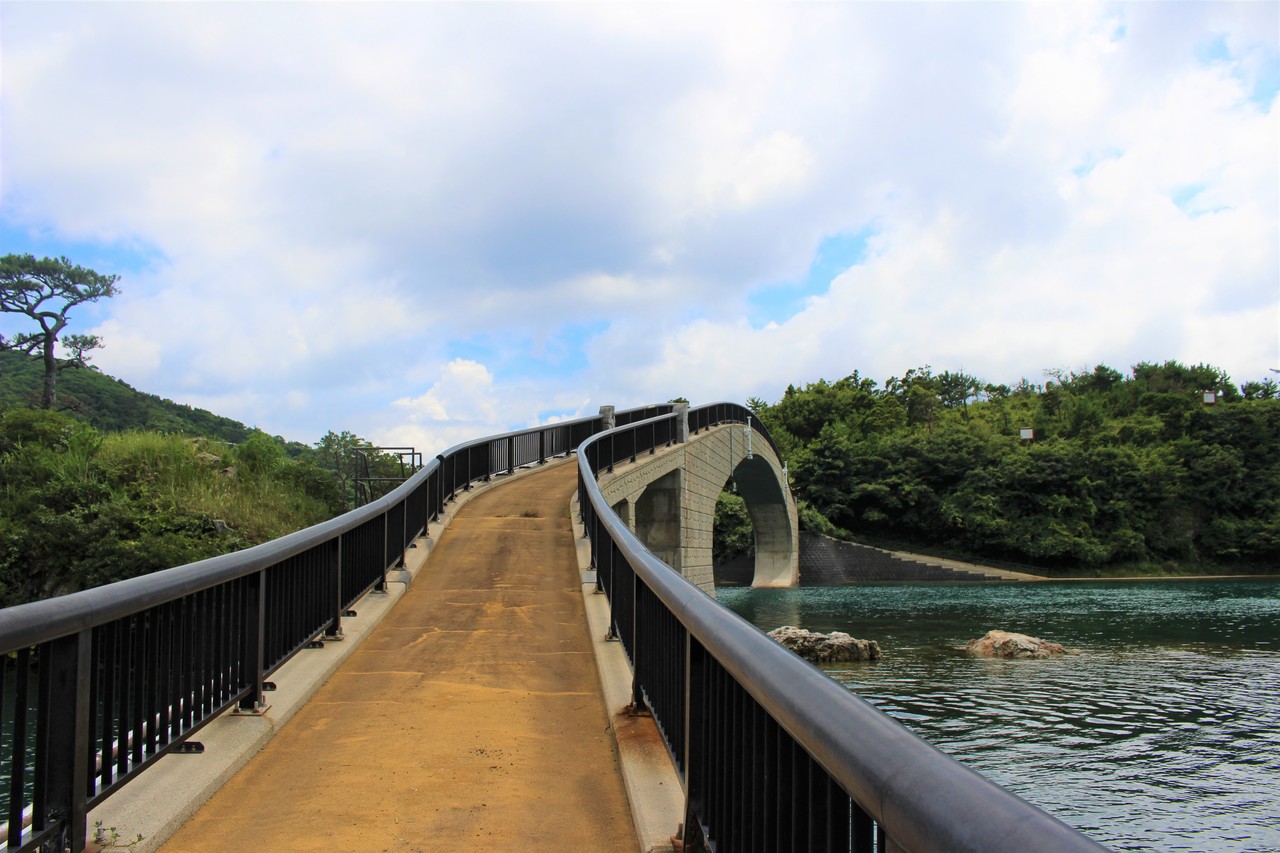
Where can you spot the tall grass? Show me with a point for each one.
(205, 478)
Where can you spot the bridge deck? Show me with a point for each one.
(470, 719)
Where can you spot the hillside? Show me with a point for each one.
(109, 404)
(1091, 473)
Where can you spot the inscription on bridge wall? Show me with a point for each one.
(688, 478)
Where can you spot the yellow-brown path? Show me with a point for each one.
(471, 719)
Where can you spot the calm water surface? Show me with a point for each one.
(1163, 735)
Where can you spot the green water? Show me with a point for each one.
(1163, 735)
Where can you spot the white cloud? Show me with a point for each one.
(462, 393)
(340, 196)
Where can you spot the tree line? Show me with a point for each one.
(80, 507)
(1171, 467)
(100, 482)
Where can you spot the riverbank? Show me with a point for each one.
(1164, 570)
(1007, 574)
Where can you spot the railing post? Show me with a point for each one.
(440, 481)
(637, 690)
(612, 632)
(404, 533)
(381, 585)
(511, 455)
(252, 642)
(334, 631)
(64, 718)
(694, 724)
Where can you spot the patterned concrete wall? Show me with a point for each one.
(701, 467)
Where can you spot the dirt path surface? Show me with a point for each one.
(471, 719)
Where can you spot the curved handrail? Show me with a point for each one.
(40, 621)
(920, 798)
(149, 660)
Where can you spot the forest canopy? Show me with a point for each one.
(1169, 467)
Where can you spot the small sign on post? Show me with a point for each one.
(1026, 434)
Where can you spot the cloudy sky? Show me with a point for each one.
(426, 222)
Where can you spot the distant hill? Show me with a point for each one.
(108, 403)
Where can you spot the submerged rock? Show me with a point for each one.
(1006, 644)
(825, 648)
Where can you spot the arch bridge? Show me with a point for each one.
(770, 753)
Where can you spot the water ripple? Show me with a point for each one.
(1163, 735)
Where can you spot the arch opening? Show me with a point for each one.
(733, 539)
(756, 485)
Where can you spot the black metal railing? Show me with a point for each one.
(773, 754)
(97, 685)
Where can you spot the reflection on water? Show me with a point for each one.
(1163, 735)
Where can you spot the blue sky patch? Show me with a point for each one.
(1184, 196)
(1188, 200)
(1093, 159)
(521, 357)
(120, 258)
(1267, 84)
(1257, 70)
(1213, 50)
(776, 303)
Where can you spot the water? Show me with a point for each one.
(1163, 735)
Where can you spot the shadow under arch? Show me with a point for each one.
(767, 505)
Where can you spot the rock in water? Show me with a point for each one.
(1005, 644)
(825, 648)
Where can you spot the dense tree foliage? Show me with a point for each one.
(120, 483)
(44, 291)
(1136, 471)
(733, 534)
(109, 404)
(79, 508)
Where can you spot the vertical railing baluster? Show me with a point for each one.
(18, 754)
(333, 561)
(137, 685)
(864, 830)
(152, 668)
(382, 567)
(694, 726)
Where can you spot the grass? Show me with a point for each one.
(202, 477)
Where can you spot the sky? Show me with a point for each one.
(427, 222)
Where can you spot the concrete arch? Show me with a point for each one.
(773, 518)
(669, 500)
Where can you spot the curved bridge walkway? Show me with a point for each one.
(471, 718)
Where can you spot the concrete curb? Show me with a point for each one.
(157, 803)
(653, 787)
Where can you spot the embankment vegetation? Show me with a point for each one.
(120, 484)
(1123, 473)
